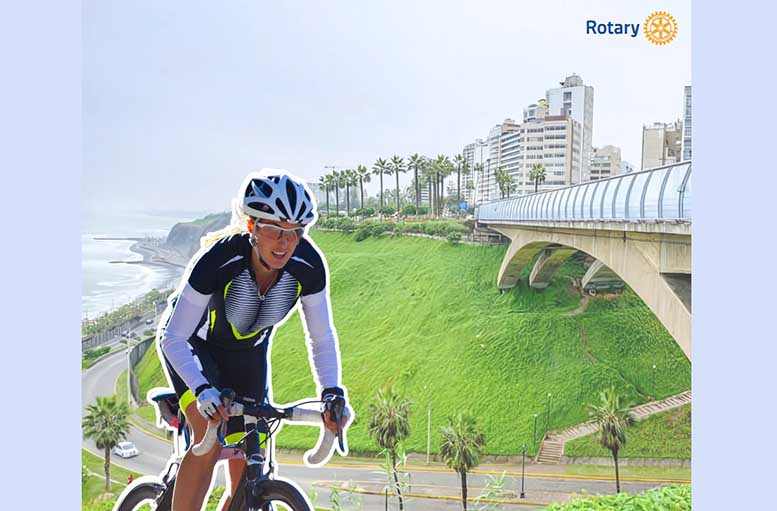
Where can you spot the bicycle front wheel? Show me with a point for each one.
(141, 495)
(273, 495)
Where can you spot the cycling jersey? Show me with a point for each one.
(219, 306)
(237, 318)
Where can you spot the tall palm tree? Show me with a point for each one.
(107, 423)
(329, 181)
(347, 176)
(378, 169)
(336, 180)
(415, 163)
(324, 185)
(397, 166)
(389, 426)
(462, 446)
(613, 418)
(443, 168)
(459, 162)
(537, 175)
(364, 177)
(466, 171)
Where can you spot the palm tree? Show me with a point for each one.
(537, 175)
(462, 445)
(107, 423)
(336, 179)
(378, 169)
(465, 171)
(442, 168)
(364, 177)
(416, 163)
(459, 161)
(389, 426)
(612, 418)
(329, 182)
(397, 167)
(349, 179)
(323, 184)
(504, 181)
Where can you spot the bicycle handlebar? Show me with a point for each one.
(316, 456)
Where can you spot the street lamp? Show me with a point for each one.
(534, 435)
(523, 465)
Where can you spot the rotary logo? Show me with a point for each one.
(660, 28)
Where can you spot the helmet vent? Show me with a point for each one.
(282, 208)
(291, 193)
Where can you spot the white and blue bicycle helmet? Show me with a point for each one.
(275, 194)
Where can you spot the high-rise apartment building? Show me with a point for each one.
(576, 100)
(476, 155)
(605, 162)
(549, 141)
(687, 124)
(661, 144)
(487, 189)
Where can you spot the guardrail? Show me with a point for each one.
(662, 193)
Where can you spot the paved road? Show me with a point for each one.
(100, 380)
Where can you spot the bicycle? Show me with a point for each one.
(258, 488)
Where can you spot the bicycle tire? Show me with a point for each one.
(144, 494)
(273, 491)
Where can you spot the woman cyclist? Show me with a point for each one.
(221, 318)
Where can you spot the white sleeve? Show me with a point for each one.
(322, 343)
(183, 321)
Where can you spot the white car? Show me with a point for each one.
(125, 450)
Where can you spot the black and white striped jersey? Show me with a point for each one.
(236, 318)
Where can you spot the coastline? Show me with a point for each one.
(153, 253)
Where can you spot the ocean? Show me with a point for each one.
(106, 285)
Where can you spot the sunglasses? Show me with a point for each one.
(273, 232)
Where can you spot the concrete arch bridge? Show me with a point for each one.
(637, 226)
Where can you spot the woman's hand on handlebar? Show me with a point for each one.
(210, 406)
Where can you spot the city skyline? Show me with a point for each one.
(191, 100)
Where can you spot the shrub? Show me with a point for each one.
(387, 211)
(453, 238)
(408, 209)
(363, 232)
(423, 210)
(365, 212)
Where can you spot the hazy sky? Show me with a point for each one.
(182, 99)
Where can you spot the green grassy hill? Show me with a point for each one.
(427, 315)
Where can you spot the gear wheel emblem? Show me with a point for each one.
(660, 28)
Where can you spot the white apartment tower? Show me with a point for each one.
(686, 144)
(545, 140)
(605, 162)
(661, 144)
(476, 155)
(575, 99)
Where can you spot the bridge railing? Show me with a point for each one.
(662, 193)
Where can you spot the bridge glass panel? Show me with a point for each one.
(532, 204)
(573, 211)
(585, 200)
(553, 207)
(654, 192)
(546, 199)
(620, 198)
(671, 199)
(595, 204)
(609, 196)
(687, 196)
(636, 195)
(562, 204)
